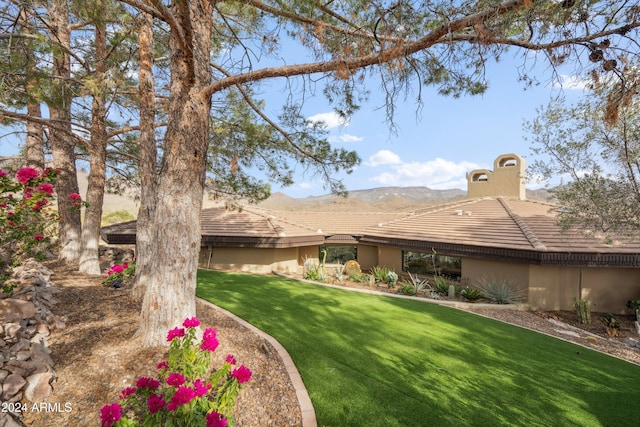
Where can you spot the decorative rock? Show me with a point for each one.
(7, 420)
(39, 386)
(16, 309)
(12, 386)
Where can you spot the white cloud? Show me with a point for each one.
(345, 138)
(331, 119)
(436, 174)
(383, 157)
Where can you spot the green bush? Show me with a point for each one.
(441, 285)
(406, 289)
(501, 291)
(315, 273)
(471, 294)
(360, 278)
(380, 273)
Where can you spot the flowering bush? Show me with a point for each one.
(27, 222)
(119, 273)
(188, 392)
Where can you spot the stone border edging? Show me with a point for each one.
(454, 304)
(306, 407)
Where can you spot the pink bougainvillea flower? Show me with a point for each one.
(175, 379)
(116, 268)
(155, 403)
(128, 392)
(191, 322)
(175, 333)
(242, 374)
(230, 359)
(46, 188)
(75, 196)
(201, 388)
(3, 173)
(25, 175)
(110, 414)
(215, 419)
(182, 396)
(209, 340)
(149, 383)
(38, 237)
(163, 365)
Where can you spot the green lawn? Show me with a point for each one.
(371, 360)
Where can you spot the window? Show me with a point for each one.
(339, 254)
(428, 263)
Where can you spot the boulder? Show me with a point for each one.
(39, 386)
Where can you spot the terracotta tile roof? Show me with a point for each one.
(506, 229)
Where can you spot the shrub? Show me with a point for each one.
(471, 294)
(441, 285)
(338, 272)
(360, 278)
(316, 273)
(501, 291)
(27, 220)
(119, 274)
(418, 284)
(407, 289)
(381, 274)
(187, 392)
(611, 323)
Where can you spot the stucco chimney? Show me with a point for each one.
(507, 179)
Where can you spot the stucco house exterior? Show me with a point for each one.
(494, 233)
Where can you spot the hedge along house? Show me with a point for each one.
(493, 234)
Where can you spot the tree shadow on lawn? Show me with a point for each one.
(375, 360)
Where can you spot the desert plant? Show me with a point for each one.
(380, 273)
(392, 279)
(316, 273)
(407, 289)
(440, 285)
(501, 291)
(418, 284)
(338, 272)
(471, 294)
(352, 268)
(360, 278)
(611, 323)
(583, 310)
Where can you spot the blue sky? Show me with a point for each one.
(449, 138)
(435, 147)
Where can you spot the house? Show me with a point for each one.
(494, 233)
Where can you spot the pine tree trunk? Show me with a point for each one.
(62, 141)
(89, 254)
(170, 273)
(145, 233)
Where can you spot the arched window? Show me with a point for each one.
(480, 177)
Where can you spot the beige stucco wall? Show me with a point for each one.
(607, 289)
(507, 179)
(474, 270)
(367, 257)
(254, 260)
(390, 258)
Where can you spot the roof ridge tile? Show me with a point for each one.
(524, 227)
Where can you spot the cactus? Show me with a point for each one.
(352, 268)
(583, 310)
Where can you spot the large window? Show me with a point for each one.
(339, 254)
(429, 263)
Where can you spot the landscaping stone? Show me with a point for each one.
(26, 321)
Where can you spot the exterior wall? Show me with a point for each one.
(390, 258)
(367, 256)
(607, 289)
(474, 270)
(506, 180)
(253, 260)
